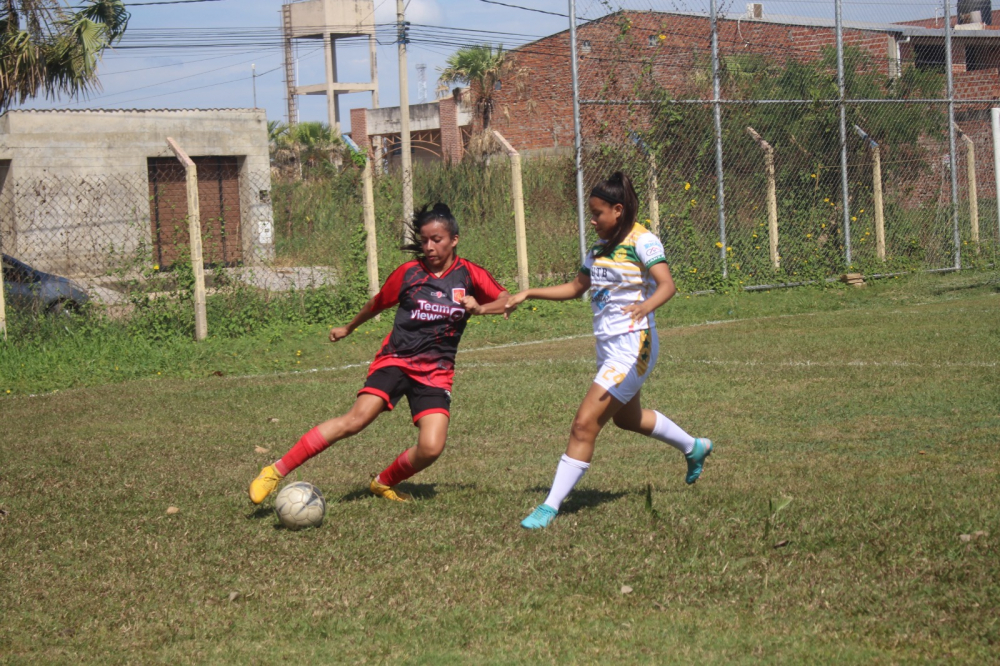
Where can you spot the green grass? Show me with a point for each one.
(874, 410)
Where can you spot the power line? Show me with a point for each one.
(210, 85)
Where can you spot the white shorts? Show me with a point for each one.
(625, 361)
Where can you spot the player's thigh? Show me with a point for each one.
(433, 432)
(598, 407)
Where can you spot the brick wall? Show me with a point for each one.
(359, 129)
(615, 52)
(452, 146)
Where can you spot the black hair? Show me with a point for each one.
(439, 212)
(617, 189)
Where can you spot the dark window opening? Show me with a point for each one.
(981, 56)
(929, 57)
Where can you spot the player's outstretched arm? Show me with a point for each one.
(366, 313)
(665, 290)
(494, 308)
(562, 292)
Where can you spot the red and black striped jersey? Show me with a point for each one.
(430, 320)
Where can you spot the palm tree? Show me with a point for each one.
(47, 49)
(485, 68)
(318, 142)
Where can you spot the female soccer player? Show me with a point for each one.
(628, 278)
(436, 294)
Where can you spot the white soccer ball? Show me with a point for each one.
(300, 505)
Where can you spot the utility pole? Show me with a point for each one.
(253, 74)
(404, 123)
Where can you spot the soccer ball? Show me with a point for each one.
(300, 505)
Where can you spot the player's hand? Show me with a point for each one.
(471, 305)
(636, 310)
(339, 333)
(513, 302)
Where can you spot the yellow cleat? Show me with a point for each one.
(264, 484)
(387, 492)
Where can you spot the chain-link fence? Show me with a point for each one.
(771, 148)
(119, 238)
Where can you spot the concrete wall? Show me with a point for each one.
(77, 191)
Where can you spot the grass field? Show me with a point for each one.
(850, 513)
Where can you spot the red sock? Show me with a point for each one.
(311, 443)
(399, 470)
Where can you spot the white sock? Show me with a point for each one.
(568, 473)
(667, 431)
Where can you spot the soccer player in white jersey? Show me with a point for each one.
(628, 277)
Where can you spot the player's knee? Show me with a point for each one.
(430, 451)
(583, 429)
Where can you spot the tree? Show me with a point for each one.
(45, 48)
(484, 68)
(312, 144)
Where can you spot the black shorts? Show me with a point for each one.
(391, 383)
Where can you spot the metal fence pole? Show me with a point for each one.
(577, 132)
(717, 113)
(951, 133)
(995, 122)
(844, 186)
(3, 308)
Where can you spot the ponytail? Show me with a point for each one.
(618, 189)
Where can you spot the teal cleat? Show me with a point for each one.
(696, 459)
(539, 518)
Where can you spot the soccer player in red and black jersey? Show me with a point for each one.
(437, 293)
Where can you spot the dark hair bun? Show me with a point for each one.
(441, 209)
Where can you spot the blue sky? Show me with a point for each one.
(199, 77)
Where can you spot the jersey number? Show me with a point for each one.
(612, 375)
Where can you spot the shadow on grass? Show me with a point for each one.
(420, 491)
(261, 512)
(583, 499)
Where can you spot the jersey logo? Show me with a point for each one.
(458, 294)
(438, 294)
(601, 298)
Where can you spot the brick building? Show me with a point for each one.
(439, 130)
(617, 50)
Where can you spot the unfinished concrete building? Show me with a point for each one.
(328, 20)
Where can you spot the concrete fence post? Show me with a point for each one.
(970, 163)
(517, 194)
(654, 199)
(772, 197)
(194, 231)
(371, 246)
(876, 192)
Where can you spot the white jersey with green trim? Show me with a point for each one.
(621, 279)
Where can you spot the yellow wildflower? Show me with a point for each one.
(853, 218)
(809, 235)
(718, 244)
(156, 267)
(826, 201)
(814, 175)
(687, 186)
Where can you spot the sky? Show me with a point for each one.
(172, 55)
